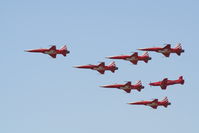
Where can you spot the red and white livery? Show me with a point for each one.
(52, 51)
(165, 82)
(154, 103)
(101, 68)
(126, 87)
(167, 50)
(134, 58)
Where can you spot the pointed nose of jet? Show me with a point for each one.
(110, 57)
(81, 67)
(141, 49)
(183, 50)
(116, 68)
(169, 103)
(77, 66)
(28, 50)
(68, 52)
(103, 86)
(135, 103)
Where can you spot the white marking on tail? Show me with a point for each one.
(112, 64)
(178, 46)
(165, 99)
(139, 82)
(64, 47)
(145, 54)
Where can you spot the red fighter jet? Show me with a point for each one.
(154, 104)
(51, 51)
(167, 50)
(134, 58)
(101, 68)
(165, 82)
(126, 87)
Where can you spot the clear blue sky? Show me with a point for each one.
(43, 95)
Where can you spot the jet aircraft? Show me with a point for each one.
(52, 51)
(167, 50)
(165, 82)
(134, 58)
(154, 103)
(126, 87)
(101, 68)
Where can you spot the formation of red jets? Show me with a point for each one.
(134, 58)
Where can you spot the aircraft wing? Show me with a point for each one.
(102, 64)
(134, 62)
(134, 54)
(101, 71)
(155, 101)
(53, 47)
(154, 107)
(53, 55)
(166, 54)
(128, 84)
(127, 90)
(168, 46)
(164, 83)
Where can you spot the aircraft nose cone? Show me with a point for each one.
(116, 68)
(27, 50)
(108, 57)
(169, 103)
(77, 66)
(68, 52)
(183, 50)
(150, 58)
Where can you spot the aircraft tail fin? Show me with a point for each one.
(166, 102)
(64, 47)
(147, 58)
(112, 64)
(139, 82)
(113, 67)
(64, 50)
(145, 54)
(165, 99)
(178, 46)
